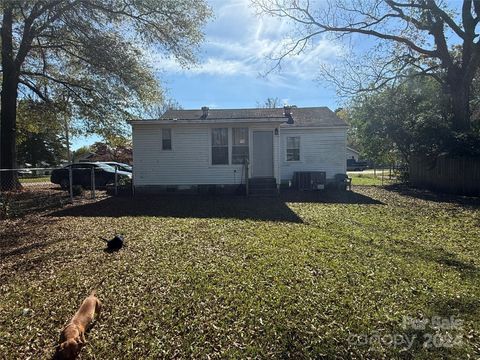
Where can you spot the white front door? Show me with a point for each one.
(262, 154)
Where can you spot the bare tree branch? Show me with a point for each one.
(34, 89)
(417, 31)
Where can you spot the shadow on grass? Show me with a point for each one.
(23, 266)
(327, 197)
(22, 250)
(458, 306)
(430, 254)
(186, 206)
(445, 259)
(197, 206)
(429, 195)
(31, 200)
(24, 236)
(442, 303)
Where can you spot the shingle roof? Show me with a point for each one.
(306, 117)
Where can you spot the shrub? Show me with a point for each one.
(4, 209)
(77, 190)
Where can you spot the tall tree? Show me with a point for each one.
(157, 110)
(420, 33)
(40, 149)
(119, 150)
(400, 120)
(81, 151)
(92, 49)
(40, 133)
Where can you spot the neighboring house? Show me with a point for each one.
(104, 153)
(87, 157)
(185, 148)
(352, 154)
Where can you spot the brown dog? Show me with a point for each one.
(72, 337)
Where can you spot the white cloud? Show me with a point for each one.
(240, 43)
(210, 66)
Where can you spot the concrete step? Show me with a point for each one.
(255, 181)
(263, 192)
(262, 186)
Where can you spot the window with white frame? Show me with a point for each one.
(166, 139)
(293, 148)
(220, 146)
(239, 145)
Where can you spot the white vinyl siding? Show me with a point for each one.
(320, 150)
(191, 161)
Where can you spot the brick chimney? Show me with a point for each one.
(205, 111)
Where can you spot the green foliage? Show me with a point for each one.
(461, 144)
(395, 122)
(352, 140)
(95, 55)
(158, 109)
(4, 207)
(116, 148)
(81, 151)
(40, 150)
(77, 190)
(40, 134)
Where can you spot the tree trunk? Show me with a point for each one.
(8, 107)
(460, 95)
(67, 139)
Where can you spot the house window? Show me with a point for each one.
(240, 145)
(220, 146)
(293, 148)
(166, 139)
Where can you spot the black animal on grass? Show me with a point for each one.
(114, 244)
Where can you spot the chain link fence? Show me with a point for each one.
(29, 190)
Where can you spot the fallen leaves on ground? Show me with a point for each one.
(230, 277)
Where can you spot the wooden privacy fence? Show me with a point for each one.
(456, 175)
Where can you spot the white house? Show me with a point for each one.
(190, 148)
(352, 154)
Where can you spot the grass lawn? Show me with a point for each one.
(43, 179)
(368, 178)
(297, 277)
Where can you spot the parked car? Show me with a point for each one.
(354, 165)
(82, 175)
(120, 166)
(25, 173)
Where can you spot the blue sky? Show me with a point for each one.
(233, 61)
